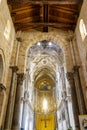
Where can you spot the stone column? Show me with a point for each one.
(79, 91)
(11, 99)
(66, 114)
(18, 108)
(2, 103)
(74, 100)
(25, 114)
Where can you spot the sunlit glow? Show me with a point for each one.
(83, 30)
(45, 105)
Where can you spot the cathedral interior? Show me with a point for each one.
(43, 64)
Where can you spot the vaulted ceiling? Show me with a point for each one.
(41, 14)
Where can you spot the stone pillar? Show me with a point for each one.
(18, 108)
(79, 91)
(74, 100)
(25, 114)
(67, 114)
(11, 99)
(2, 105)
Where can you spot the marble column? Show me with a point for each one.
(79, 91)
(11, 99)
(18, 108)
(74, 100)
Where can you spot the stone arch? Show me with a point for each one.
(63, 43)
(59, 37)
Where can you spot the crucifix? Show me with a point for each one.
(45, 120)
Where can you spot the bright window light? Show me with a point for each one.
(82, 29)
(7, 30)
(45, 105)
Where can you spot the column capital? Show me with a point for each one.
(69, 75)
(2, 87)
(20, 77)
(14, 68)
(70, 38)
(19, 39)
(76, 68)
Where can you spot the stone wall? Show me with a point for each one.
(82, 48)
(7, 34)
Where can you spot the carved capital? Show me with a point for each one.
(76, 68)
(2, 87)
(14, 68)
(19, 39)
(69, 75)
(20, 77)
(70, 38)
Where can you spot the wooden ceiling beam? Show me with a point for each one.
(50, 2)
(58, 26)
(43, 24)
(45, 17)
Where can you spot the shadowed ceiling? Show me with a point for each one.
(41, 14)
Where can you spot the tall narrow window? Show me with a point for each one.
(7, 30)
(83, 29)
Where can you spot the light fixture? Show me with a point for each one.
(38, 43)
(50, 43)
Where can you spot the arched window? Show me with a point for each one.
(7, 30)
(83, 30)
